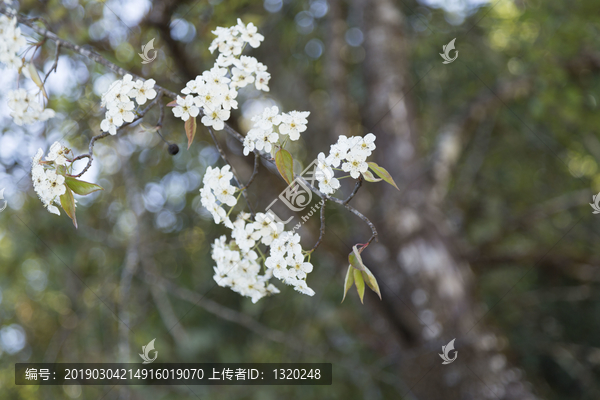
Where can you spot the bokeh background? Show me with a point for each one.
(490, 239)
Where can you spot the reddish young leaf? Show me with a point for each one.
(190, 130)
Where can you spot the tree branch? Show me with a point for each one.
(228, 129)
(76, 48)
(358, 185)
(321, 230)
(255, 170)
(450, 141)
(219, 310)
(90, 154)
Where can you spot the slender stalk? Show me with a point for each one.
(90, 154)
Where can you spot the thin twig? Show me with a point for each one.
(90, 154)
(53, 65)
(76, 48)
(254, 171)
(219, 310)
(162, 115)
(341, 202)
(322, 229)
(358, 185)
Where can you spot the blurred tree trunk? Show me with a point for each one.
(426, 286)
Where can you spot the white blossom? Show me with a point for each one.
(47, 183)
(249, 33)
(57, 154)
(293, 123)
(11, 41)
(262, 81)
(26, 109)
(218, 191)
(186, 108)
(240, 78)
(143, 91)
(216, 118)
(355, 164)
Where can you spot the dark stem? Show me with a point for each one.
(53, 65)
(358, 185)
(90, 154)
(255, 171)
(76, 48)
(322, 230)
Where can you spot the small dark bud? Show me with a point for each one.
(173, 149)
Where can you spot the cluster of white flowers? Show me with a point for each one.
(215, 90)
(216, 192)
(271, 126)
(239, 270)
(119, 104)
(351, 153)
(238, 265)
(48, 183)
(231, 41)
(287, 260)
(11, 41)
(26, 109)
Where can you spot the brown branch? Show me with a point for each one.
(254, 171)
(53, 65)
(76, 48)
(358, 185)
(219, 310)
(341, 202)
(453, 135)
(90, 154)
(115, 68)
(321, 230)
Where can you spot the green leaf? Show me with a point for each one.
(35, 77)
(348, 282)
(360, 284)
(371, 281)
(369, 177)
(359, 267)
(355, 259)
(67, 201)
(285, 165)
(190, 130)
(80, 187)
(383, 174)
